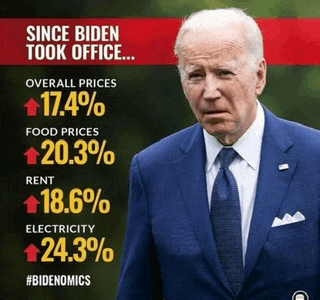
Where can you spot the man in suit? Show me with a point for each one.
(203, 224)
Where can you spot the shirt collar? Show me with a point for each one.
(248, 145)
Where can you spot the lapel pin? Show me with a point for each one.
(283, 167)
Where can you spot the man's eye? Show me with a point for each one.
(195, 75)
(224, 73)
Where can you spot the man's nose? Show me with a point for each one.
(211, 88)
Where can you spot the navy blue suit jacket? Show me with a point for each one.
(169, 248)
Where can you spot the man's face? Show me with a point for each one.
(219, 81)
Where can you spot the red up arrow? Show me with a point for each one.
(32, 107)
(32, 156)
(32, 252)
(32, 204)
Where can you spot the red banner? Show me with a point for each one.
(143, 41)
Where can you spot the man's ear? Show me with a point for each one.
(261, 76)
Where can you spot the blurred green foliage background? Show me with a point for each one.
(147, 105)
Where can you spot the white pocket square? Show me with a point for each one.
(287, 219)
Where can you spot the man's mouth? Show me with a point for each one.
(214, 112)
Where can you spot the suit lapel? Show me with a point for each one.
(272, 186)
(190, 171)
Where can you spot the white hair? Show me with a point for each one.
(209, 19)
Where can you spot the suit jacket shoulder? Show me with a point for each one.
(170, 148)
(308, 137)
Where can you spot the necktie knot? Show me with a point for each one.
(227, 155)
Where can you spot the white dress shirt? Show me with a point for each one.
(245, 168)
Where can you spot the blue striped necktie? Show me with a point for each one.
(226, 220)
